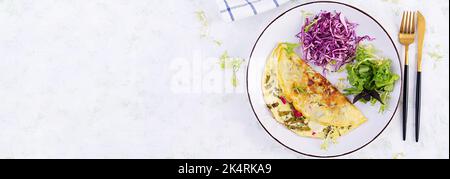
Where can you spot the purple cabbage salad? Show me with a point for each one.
(329, 40)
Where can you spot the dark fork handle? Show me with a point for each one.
(405, 101)
(418, 104)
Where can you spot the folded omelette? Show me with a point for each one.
(303, 100)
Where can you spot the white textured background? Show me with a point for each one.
(97, 79)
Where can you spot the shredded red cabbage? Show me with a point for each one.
(329, 39)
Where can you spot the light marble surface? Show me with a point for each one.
(140, 79)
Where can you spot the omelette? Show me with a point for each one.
(303, 100)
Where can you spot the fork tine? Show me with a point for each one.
(411, 26)
(408, 26)
(402, 25)
(407, 23)
(414, 22)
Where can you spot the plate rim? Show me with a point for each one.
(398, 58)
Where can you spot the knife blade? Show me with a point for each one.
(421, 36)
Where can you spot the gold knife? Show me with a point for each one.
(421, 36)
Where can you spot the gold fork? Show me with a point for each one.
(406, 37)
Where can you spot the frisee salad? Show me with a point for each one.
(371, 77)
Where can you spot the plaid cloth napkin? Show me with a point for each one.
(232, 10)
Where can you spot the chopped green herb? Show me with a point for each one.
(201, 17)
(274, 105)
(204, 27)
(325, 144)
(217, 42)
(300, 90)
(435, 56)
(310, 25)
(341, 84)
(223, 60)
(234, 64)
(290, 47)
(284, 113)
(267, 79)
(234, 80)
(340, 70)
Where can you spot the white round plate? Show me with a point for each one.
(284, 29)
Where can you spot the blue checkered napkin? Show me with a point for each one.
(232, 10)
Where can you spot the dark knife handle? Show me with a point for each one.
(418, 103)
(405, 101)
